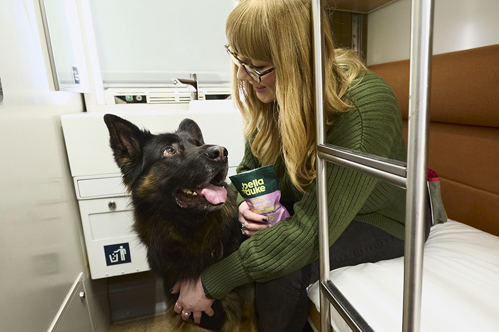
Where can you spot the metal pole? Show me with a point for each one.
(344, 308)
(317, 8)
(388, 170)
(420, 72)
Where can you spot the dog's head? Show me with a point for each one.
(173, 171)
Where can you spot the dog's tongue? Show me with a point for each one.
(215, 195)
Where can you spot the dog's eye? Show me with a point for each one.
(169, 151)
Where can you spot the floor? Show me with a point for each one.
(152, 324)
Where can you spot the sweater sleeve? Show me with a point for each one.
(293, 242)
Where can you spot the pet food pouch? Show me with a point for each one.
(260, 189)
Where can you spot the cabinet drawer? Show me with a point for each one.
(111, 186)
(107, 218)
(113, 248)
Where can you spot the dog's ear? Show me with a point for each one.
(192, 128)
(126, 141)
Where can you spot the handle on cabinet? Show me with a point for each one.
(112, 205)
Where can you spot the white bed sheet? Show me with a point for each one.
(460, 285)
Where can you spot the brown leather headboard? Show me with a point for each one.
(464, 130)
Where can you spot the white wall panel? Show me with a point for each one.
(458, 25)
(40, 249)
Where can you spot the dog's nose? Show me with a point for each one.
(218, 153)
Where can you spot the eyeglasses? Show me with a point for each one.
(253, 73)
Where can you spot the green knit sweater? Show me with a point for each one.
(372, 125)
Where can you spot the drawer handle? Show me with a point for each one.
(112, 205)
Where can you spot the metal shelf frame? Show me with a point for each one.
(410, 175)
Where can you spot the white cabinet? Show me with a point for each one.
(87, 138)
(112, 246)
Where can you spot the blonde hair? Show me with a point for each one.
(280, 31)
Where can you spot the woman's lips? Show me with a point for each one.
(259, 88)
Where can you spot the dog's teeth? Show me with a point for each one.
(189, 192)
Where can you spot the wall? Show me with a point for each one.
(40, 247)
(154, 41)
(458, 25)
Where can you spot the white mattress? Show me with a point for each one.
(460, 285)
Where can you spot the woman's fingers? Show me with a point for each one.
(185, 315)
(248, 215)
(251, 222)
(197, 317)
(210, 312)
(245, 214)
(192, 300)
(249, 228)
(177, 308)
(254, 226)
(176, 288)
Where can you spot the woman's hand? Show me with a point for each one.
(192, 300)
(251, 222)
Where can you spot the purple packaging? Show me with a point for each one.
(260, 189)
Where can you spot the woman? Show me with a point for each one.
(271, 46)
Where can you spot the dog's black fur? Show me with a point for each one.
(184, 232)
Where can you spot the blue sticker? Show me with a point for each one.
(117, 254)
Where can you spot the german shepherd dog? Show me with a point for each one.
(184, 213)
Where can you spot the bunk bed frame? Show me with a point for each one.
(412, 175)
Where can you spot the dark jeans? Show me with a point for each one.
(282, 304)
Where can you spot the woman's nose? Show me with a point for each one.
(242, 75)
